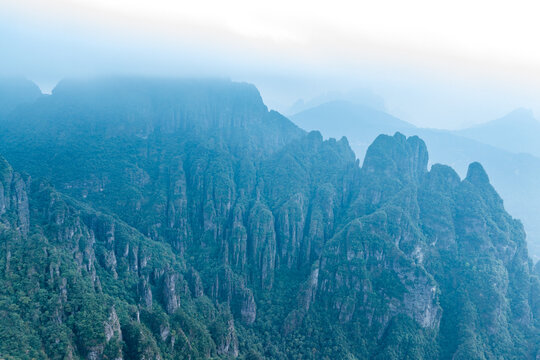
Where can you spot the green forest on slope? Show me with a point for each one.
(180, 219)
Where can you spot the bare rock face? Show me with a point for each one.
(19, 199)
(306, 297)
(421, 300)
(262, 244)
(227, 343)
(399, 156)
(320, 226)
(145, 292)
(6, 177)
(195, 283)
(245, 302)
(231, 289)
(103, 230)
(170, 297)
(438, 186)
(238, 240)
(95, 353)
(3, 202)
(405, 286)
(14, 196)
(177, 207)
(309, 290)
(133, 258)
(212, 188)
(290, 223)
(112, 326)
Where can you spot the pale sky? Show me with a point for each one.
(438, 64)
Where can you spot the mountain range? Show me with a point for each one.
(145, 218)
(517, 132)
(505, 147)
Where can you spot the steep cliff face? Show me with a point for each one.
(224, 231)
(231, 113)
(428, 246)
(14, 198)
(486, 273)
(80, 268)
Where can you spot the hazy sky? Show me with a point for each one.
(438, 64)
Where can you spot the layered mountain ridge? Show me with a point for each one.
(188, 221)
(515, 132)
(506, 148)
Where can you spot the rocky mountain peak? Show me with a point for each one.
(476, 174)
(399, 156)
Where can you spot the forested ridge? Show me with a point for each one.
(181, 219)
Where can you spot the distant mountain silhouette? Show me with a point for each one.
(361, 97)
(361, 124)
(517, 131)
(15, 91)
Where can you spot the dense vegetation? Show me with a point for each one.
(144, 219)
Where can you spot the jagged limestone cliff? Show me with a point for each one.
(190, 222)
